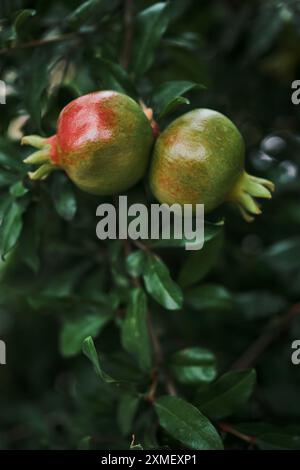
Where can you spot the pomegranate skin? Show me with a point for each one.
(103, 143)
(200, 159)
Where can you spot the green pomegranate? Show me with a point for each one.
(200, 158)
(103, 143)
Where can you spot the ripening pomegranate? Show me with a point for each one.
(103, 143)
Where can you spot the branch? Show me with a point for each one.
(228, 429)
(128, 34)
(270, 335)
(44, 42)
(136, 281)
(158, 351)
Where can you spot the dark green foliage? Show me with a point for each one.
(106, 340)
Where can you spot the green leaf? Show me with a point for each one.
(266, 27)
(200, 263)
(211, 230)
(85, 443)
(189, 41)
(135, 263)
(160, 285)
(75, 331)
(135, 337)
(63, 196)
(193, 366)
(259, 304)
(187, 424)
(35, 82)
(20, 19)
(209, 297)
(169, 95)
(31, 236)
(18, 189)
(272, 437)
(7, 179)
(84, 12)
(151, 24)
(62, 284)
(11, 227)
(10, 157)
(5, 203)
(175, 103)
(278, 441)
(227, 395)
(88, 348)
(127, 408)
(283, 255)
(114, 77)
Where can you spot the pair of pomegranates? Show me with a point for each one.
(104, 141)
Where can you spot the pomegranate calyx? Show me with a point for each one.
(43, 156)
(245, 191)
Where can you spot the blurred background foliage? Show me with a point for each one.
(216, 314)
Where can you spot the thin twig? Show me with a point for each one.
(44, 42)
(128, 33)
(136, 281)
(140, 245)
(158, 351)
(270, 335)
(228, 429)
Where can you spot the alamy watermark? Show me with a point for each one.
(2, 92)
(2, 353)
(296, 94)
(295, 357)
(161, 221)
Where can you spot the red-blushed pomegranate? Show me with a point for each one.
(103, 143)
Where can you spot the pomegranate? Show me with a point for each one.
(103, 143)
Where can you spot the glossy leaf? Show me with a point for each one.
(272, 437)
(21, 17)
(169, 95)
(84, 11)
(135, 263)
(89, 350)
(36, 81)
(114, 77)
(151, 24)
(227, 395)
(11, 227)
(126, 411)
(64, 199)
(135, 337)
(10, 157)
(160, 285)
(18, 189)
(187, 424)
(211, 230)
(209, 297)
(75, 331)
(193, 366)
(199, 264)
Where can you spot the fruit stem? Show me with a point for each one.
(149, 114)
(245, 191)
(42, 157)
